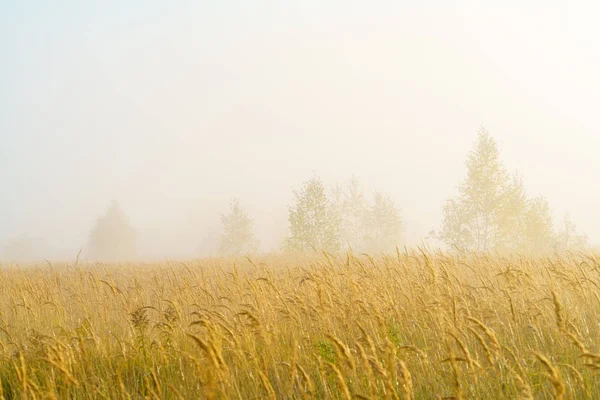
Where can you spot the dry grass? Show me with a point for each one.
(415, 325)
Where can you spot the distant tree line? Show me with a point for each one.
(491, 212)
(343, 219)
(322, 220)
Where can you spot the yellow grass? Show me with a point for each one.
(412, 325)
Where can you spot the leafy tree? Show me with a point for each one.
(314, 222)
(354, 214)
(568, 239)
(472, 221)
(492, 210)
(538, 227)
(238, 236)
(112, 237)
(385, 225)
(511, 215)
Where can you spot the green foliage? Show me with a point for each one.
(492, 211)
(354, 214)
(364, 227)
(326, 351)
(112, 238)
(538, 225)
(472, 220)
(314, 220)
(568, 238)
(394, 333)
(385, 224)
(238, 236)
(526, 223)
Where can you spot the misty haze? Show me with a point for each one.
(174, 111)
(305, 199)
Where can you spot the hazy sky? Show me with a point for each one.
(172, 108)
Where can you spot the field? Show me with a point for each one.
(414, 324)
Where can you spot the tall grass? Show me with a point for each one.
(412, 325)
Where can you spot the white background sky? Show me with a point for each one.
(172, 108)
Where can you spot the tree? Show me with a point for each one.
(472, 221)
(568, 239)
(492, 210)
(238, 237)
(385, 225)
(511, 215)
(354, 214)
(314, 223)
(112, 237)
(538, 237)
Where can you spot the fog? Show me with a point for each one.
(175, 109)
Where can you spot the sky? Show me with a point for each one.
(174, 108)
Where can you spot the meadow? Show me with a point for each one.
(415, 324)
